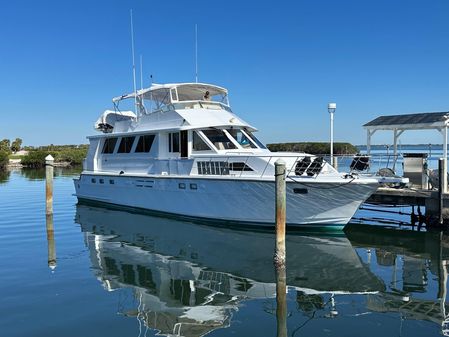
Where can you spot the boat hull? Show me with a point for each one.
(244, 202)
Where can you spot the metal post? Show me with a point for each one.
(441, 180)
(331, 107)
(395, 148)
(445, 161)
(335, 163)
(51, 242)
(332, 137)
(279, 256)
(368, 142)
(49, 184)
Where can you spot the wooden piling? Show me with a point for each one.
(51, 241)
(279, 256)
(49, 160)
(441, 189)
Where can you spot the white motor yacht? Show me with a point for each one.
(184, 152)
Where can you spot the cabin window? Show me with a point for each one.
(258, 142)
(109, 145)
(241, 138)
(126, 144)
(144, 144)
(199, 144)
(219, 139)
(173, 142)
(239, 166)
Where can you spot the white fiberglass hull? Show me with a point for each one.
(231, 200)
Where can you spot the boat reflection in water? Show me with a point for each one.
(417, 285)
(189, 279)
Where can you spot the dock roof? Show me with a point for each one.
(416, 121)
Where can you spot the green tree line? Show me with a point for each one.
(70, 154)
(6, 148)
(313, 147)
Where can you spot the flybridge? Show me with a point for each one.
(164, 97)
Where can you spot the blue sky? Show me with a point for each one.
(61, 62)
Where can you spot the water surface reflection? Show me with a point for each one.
(189, 279)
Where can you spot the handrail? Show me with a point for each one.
(208, 165)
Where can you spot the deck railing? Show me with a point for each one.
(255, 165)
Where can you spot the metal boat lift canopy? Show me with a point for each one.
(419, 121)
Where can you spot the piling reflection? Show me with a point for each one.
(281, 301)
(51, 242)
(189, 279)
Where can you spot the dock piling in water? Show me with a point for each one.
(279, 256)
(49, 160)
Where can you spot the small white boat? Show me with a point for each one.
(186, 153)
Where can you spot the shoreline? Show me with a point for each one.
(15, 163)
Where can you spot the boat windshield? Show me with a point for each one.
(258, 142)
(241, 138)
(219, 139)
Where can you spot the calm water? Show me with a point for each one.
(124, 274)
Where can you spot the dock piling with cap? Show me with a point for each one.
(279, 256)
(49, 160)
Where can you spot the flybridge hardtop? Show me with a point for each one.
(172, 106)
(183, 151)
(177, 91)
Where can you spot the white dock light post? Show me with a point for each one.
(331, 107)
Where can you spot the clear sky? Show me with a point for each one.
(61, 62)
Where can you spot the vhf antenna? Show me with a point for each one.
(196, 53)
(134, 61)
(141, 71)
